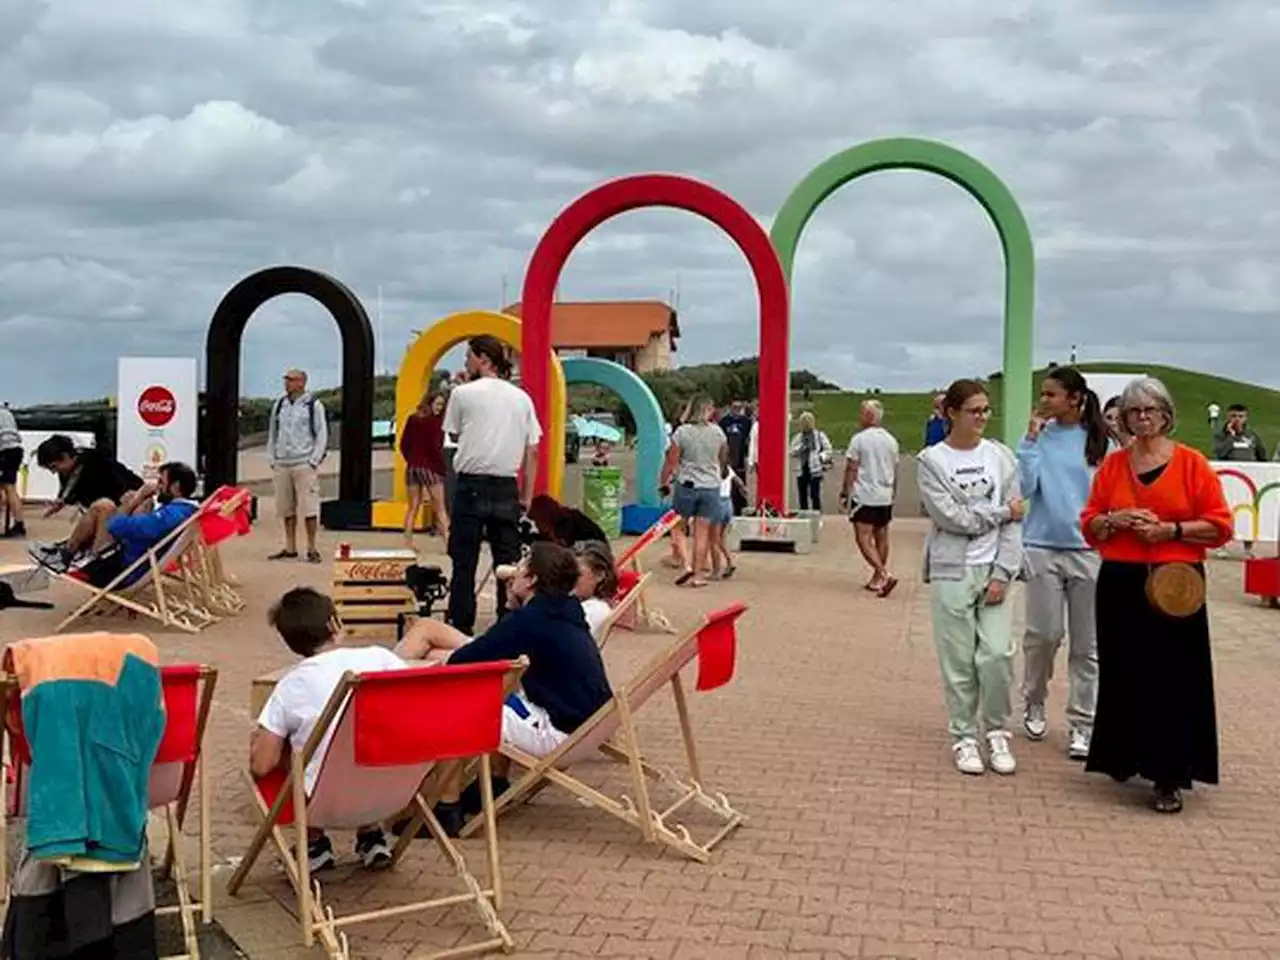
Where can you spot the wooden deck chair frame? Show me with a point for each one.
(648, 615)
(634, 598)
(171, 787)
(208, 574)
(318, 921)
(611, 731)
(177, 601)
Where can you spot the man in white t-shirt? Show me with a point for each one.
(870, 486)
(497, 432)
(308, 623)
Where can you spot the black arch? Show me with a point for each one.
(222, 372)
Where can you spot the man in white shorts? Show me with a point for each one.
(565, 683)
(297, 437)
(870, 485)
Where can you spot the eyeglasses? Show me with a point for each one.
(977, 411)
(1148, 413)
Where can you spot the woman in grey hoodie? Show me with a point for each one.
(969, 486)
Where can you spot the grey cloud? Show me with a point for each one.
(151, 154)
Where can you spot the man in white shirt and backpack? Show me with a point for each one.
(497, 432)
(297, 436)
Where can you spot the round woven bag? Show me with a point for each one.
(1176, 589)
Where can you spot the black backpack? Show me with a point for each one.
(311, 415)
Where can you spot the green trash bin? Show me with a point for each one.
(602, 498)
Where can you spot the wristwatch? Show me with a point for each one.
(1177, 530)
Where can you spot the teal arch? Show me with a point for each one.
(908, 153)
(645, 410)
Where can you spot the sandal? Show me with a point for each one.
(284, 555)
(887, 587)
(729, 571)
(1167, 801)
(684, 578)
(313, 556)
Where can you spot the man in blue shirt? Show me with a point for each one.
(120, 538)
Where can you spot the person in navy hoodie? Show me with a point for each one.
(564, 684)
(126, 537)
(1066, 440)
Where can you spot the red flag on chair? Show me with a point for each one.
(181, 686)
(428, 713)
(718, 647)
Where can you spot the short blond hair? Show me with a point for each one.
(807, 420)
(876, 408)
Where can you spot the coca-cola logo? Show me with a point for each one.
(156, 406)
(376, 570)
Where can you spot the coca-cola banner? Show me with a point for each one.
(157, 410)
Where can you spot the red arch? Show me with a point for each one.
(666, 190)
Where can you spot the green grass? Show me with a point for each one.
(906, 413)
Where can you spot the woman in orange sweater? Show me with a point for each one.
(1156, 502)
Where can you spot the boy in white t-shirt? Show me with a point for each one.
(308, 623)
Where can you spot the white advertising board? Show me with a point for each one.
(34, 483)
(1253, 493)
(157, 407)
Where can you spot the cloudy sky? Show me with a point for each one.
(152, 153)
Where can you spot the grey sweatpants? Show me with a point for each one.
(1061, 587)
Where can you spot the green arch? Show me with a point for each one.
(908, 153)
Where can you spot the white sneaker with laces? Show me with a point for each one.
(1000, 753)
(968, 757)
(1078, 745)
(1035, 722)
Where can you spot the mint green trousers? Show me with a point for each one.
(975, 652)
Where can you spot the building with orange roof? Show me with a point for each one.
(639, 334)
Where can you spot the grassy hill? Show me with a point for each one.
(906, 413)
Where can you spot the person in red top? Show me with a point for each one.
(422, 446)
(1156, 502)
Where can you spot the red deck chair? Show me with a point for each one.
(632, 579)
(611, 731)
(390, 729)
(225, 514)
(188, 698)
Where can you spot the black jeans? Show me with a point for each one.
(484, 509)
(810, 490)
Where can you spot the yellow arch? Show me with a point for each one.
(415, 377)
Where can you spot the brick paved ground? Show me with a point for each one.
(863, 841)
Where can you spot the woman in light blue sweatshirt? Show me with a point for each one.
(1065, 442)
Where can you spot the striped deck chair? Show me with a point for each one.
(188, 698)
(612, 731)
(390, 731)
(161, 585)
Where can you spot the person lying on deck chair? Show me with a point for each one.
(308, 623)
(119, 537)
(565, 682)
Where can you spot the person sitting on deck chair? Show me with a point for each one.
(99, 485)
(565, 682)
(308, 623)
(118, 538)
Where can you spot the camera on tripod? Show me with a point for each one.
(429, 586)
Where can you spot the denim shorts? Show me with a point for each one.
(701, 502)
(726, 512)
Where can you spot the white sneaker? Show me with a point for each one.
(968, 757)
(1000, 753)
(1078, 746)
(1034, 721)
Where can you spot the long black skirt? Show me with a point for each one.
(1156, 717)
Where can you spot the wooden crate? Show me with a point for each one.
(370, 593)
